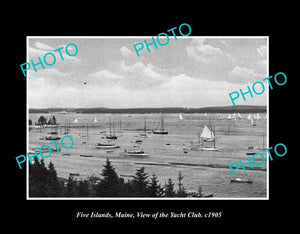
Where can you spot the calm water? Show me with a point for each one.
(166, 157)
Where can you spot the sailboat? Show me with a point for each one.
(249, 117)
(144, 135)
(207, 135)
(180, 116)
(239, 116)
(161, 131)
(75, 121)
(263, 143)
(230, 117)
(252, 121)
(257, 116)
(87, 132)
(96, 120)
(111, 135)
(196, 146)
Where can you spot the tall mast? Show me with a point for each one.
(87, 130)
(214, 137)
(110, 126)
(162, 122)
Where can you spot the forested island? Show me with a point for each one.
(214, 109)
(44, 182)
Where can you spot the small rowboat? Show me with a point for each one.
(239, 180)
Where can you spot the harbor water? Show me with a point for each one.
(167, 154)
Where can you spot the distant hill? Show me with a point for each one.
(213, 109)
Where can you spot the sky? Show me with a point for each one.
(106, 72)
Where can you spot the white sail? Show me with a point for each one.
(252, 122)
(207, 133)
(249, 117)
(75, 121)
(180, 116)
(257, 116)
(95, 120)
(239, 116)
(229, 116)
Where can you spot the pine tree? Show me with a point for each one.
(110, 185)
(71, 188)
(139, 183)
(53, 120)
(169, 189)
(154, 189)
(83, 189)
(54, 188)
(38, 174)
(181, 190)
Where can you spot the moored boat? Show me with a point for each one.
(135, 153)
(239, 180)
(161, 130)
(106, 145)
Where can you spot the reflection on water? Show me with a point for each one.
(166, 152)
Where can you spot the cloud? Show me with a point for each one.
(244, 75)
(127, 52)
(42, 49)
(43, 46)
(204, 53)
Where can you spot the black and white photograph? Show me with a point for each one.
(108, 120)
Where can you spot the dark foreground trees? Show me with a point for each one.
(43, 182)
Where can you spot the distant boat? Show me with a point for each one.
(86, 155)
(52, 136)
(144, 135)
(196, 146)
(75, 121)
(74, 174)
(257, 116)
(135, 153)
(239, 116)
(111, 135)
(106, 145)
(180, 116)
(263, 143)
(87, 132)
(239, 180)
(230, 117)
(252, 122)
(249, 117)
(96, 120)
(161, 131)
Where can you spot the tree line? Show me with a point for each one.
(43, 120)
(44, 182)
